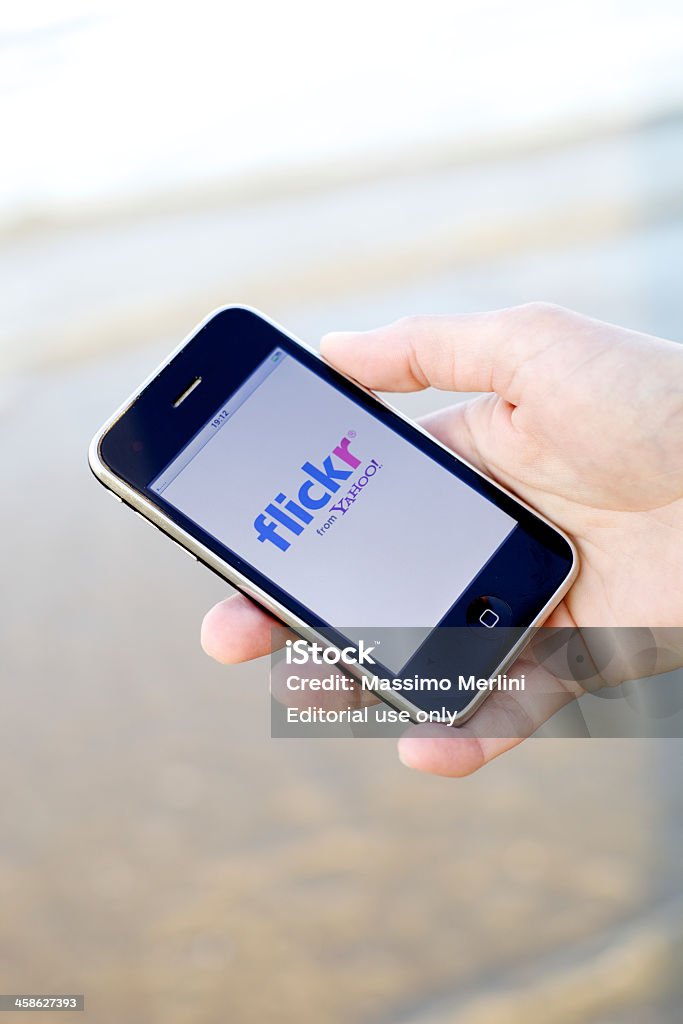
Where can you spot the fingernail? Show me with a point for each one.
(335, 336)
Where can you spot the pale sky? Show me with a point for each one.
(122, 98)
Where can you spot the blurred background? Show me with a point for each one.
(337, 166)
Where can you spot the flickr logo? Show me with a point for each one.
(288, 516)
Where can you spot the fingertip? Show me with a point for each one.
(236, 630)
(404, 753)
(336, 345)
(330, 337)
(378, 358)
(211, 635)
(439, 753)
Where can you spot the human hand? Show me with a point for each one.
(581, 419)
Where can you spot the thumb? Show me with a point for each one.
(479, 352)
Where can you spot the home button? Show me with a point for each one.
(489, 611)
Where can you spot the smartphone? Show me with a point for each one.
(332, 510)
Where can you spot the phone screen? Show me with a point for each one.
(326, 500)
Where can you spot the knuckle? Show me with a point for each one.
(412, 323)
(541, 311)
